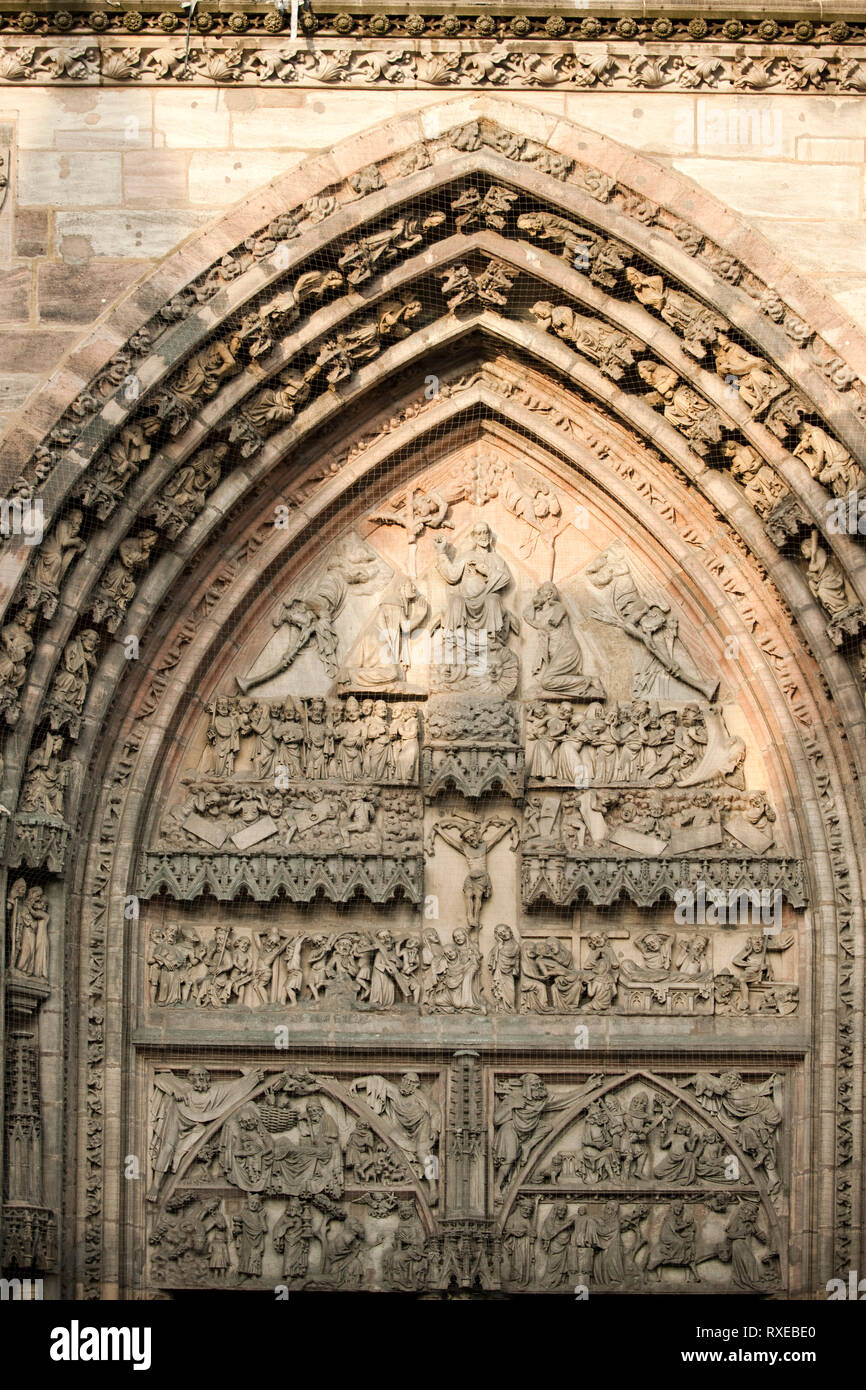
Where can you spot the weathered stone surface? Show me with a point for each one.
(15, 296)
(80, 293)
(81, 235)
(70, 180)
(32, 231)
(32, 349)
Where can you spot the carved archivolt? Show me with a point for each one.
(640, 362)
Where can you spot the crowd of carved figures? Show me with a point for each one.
(590, 1246)
(315, 1242)
(625, 741)
(325, 1241)
(644, 1138)
(648, 822)
(287, 1139)
(649, 971)
(349, 740)
(311, 1181)
(297, 818)
(591, 743)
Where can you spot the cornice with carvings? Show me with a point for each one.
(703, 22)
(275, 60)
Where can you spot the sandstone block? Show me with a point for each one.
(32, 231)
(69, 180)
(123, 234)
(80, 292)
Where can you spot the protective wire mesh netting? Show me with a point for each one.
(401, 344)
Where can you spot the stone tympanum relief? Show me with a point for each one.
(264, 1178)
(478, 721)
(602, 1180)
(628, 1184)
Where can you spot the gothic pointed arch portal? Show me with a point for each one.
(430, 716)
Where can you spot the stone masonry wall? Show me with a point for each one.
(106, 182)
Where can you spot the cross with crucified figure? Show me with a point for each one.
(474, 839)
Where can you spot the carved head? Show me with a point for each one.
(543, 311)
(503, 933)
(480, 536)
(533, 1087)
(199, 1077)
(653, 619)
(409, 1082)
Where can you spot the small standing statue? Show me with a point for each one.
(249, 1230)
(504, 966)
(825, 577)
(28, 918)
